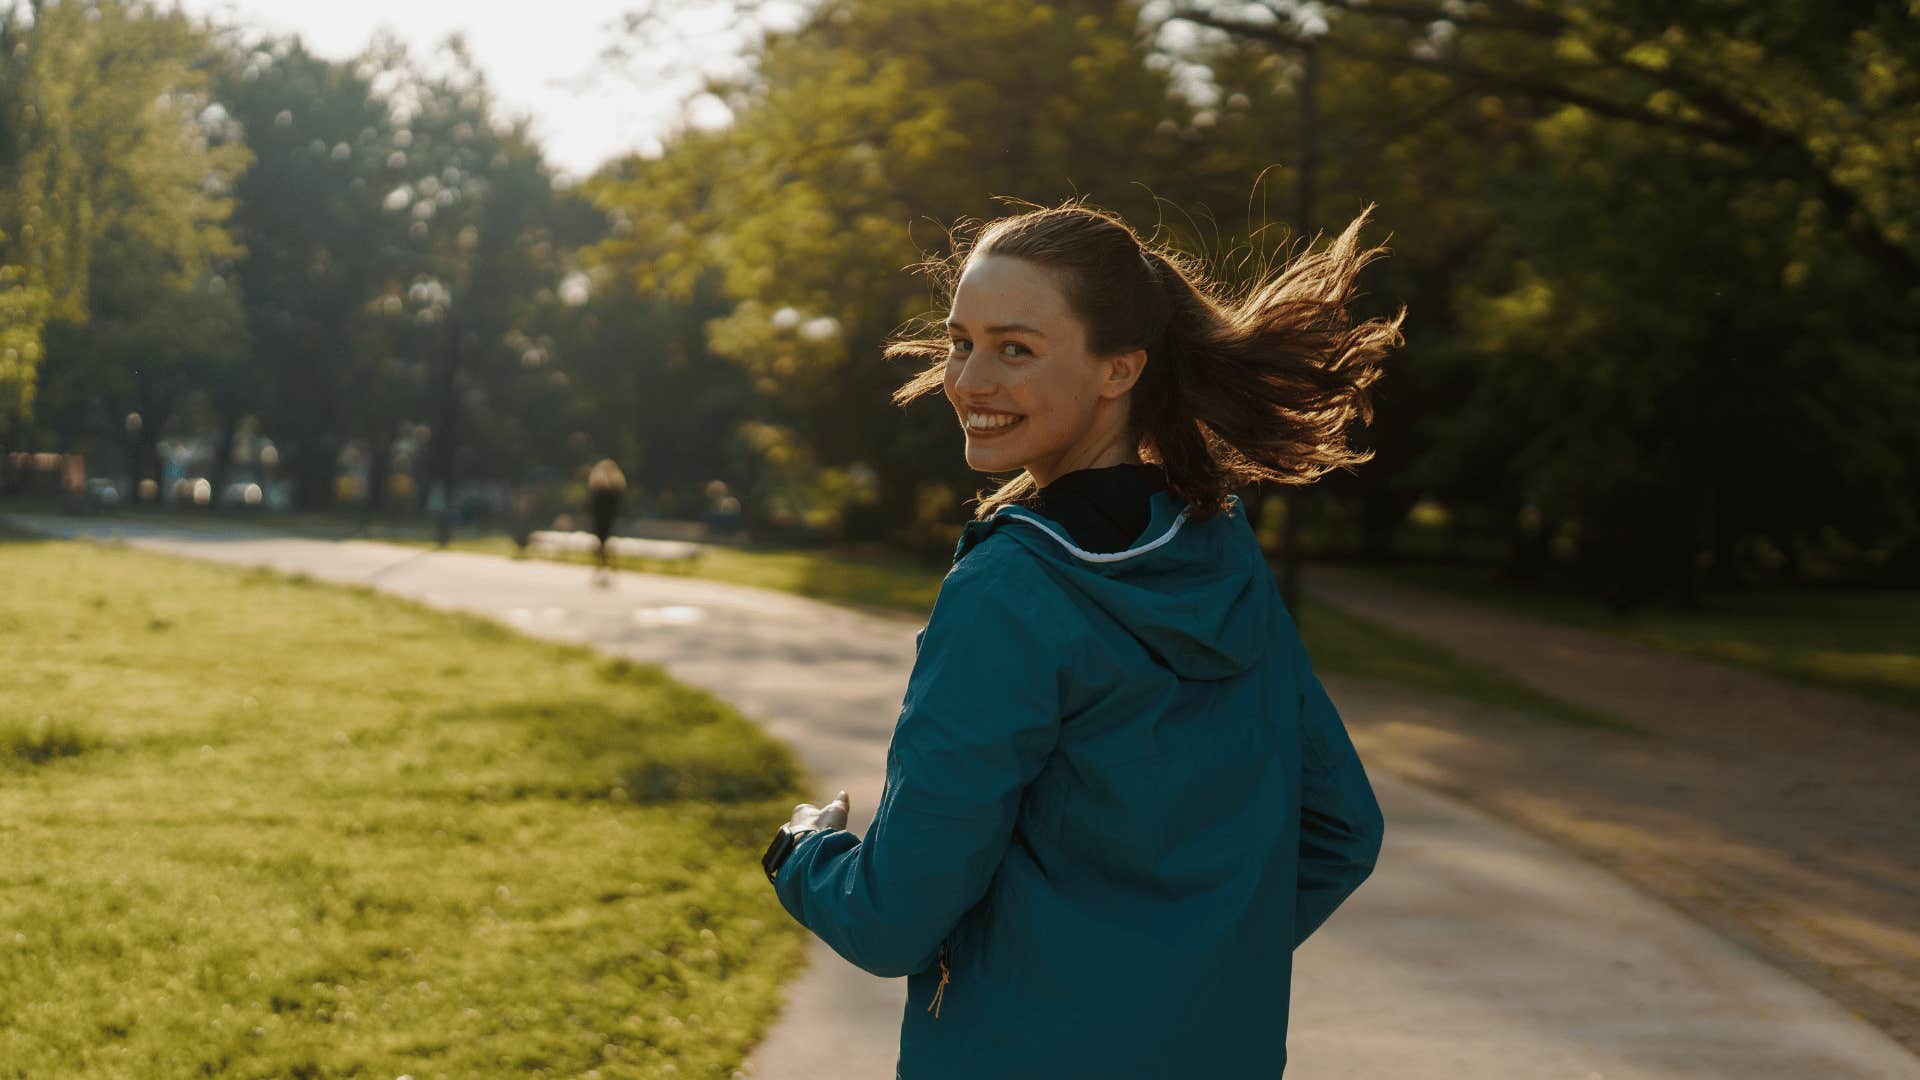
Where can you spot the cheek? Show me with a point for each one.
(1040, 395)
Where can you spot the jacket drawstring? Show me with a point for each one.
(934, 1008)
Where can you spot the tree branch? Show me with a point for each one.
(1523, 21)
(1522, 85)
(1737, 126)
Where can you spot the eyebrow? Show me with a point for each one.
(1003, 328)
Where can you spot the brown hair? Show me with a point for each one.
(606, 476)
(1258, 384)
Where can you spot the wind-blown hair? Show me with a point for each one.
(1260, 383)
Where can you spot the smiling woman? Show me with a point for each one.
(1117, 797)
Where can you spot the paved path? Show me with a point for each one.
(1784, 815)
(1476, 950)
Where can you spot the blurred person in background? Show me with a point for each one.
(606, 485)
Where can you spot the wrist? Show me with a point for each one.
(784, 841)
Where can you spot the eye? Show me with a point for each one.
(1016, 345)
(959, 345)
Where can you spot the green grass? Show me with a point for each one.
(1854, 641)
(255, 827)
(1346, 645)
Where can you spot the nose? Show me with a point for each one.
(970, 380)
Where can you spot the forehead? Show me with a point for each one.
(998, 289)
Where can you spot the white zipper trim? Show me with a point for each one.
(1096, 556)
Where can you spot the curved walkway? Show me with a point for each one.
(1785, 816)
(1475, 950)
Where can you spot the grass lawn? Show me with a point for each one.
(1346, 645)
(251, 826)
(1855, 641)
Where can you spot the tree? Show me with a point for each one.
(1690, 308)
(310, 215)
(124, 195)
(1820, 95)
(855, 139)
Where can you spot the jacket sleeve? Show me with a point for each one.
(1341, 826)
(980, 718)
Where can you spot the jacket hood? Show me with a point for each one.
(1197, 595)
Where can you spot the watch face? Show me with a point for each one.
(777, 852)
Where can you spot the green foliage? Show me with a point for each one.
(855, 139)
(23, 318)
(1671, 266)
(278, 239)
(1662, 266)
(311, 218)
(113, 192)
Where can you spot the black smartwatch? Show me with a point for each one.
(782, 846)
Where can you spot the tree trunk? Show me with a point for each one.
(135, 459)
(312, 468)
(1529, 554)
(223, 456)
(1382, 510)
(1725, 571)
(150, 462)
(379, 472)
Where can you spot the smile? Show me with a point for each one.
(989, 425)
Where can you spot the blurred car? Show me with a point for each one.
(242, 493)
(102, 492)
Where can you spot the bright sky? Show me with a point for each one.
(540, 59)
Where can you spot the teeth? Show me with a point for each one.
(983, 422)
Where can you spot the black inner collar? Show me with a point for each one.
(1104, 509)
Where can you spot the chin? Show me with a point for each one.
(993, 459)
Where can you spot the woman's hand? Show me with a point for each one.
(831, 816)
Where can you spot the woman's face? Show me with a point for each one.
(1020, 379)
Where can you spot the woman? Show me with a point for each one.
(605, 485)
(1117, 796)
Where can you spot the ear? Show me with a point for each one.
(1122, 371)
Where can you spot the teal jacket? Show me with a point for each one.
(1117, 799)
